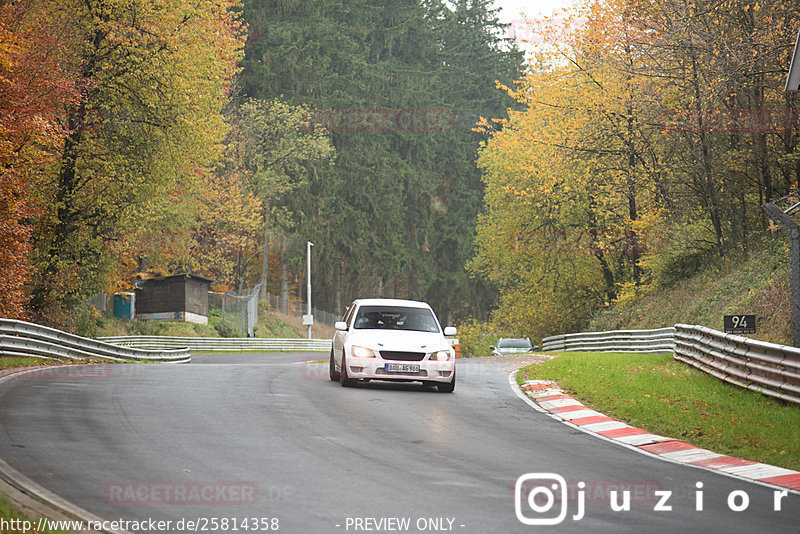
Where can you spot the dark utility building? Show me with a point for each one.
(182, 297)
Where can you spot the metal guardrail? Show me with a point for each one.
(768, 368)
(23, 339)
(240, 344)
(659, 340)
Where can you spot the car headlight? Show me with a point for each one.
(442, 355)
(361, 352)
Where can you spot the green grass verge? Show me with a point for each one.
(271, 326)
(669, 398)
(8, 513)
(8, 363)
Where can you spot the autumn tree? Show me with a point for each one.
(569, 180)
(154, 77)
(653, 132)
(35, 83)
(226, 229)
(276, 148)
(730, 127)
(210, 227)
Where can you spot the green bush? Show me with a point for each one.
(476, 339)
(87, 321)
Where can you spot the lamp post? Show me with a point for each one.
(790, 204)
(777, 214)
(308, 319)
(793, 78)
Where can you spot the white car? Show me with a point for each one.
(390, 339)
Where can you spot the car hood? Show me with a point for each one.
(401, 340)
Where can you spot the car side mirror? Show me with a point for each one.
(341, 326)
(450, 331)
(492, 347)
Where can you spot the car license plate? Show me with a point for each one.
(402, 368)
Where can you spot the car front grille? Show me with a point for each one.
(402, 356)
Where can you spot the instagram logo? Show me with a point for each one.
(536, 495)
(541, 498)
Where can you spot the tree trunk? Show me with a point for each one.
(264, 267)
(284, 278)
(708, 187)
(337, 280)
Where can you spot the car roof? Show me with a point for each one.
(391, 302)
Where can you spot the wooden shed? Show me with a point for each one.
(182, 297)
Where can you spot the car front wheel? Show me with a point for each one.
(332, 371)
(448, 387)
(343, 378)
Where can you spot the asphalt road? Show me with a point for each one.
(263, 437)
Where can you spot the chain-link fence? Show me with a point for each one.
(239, 312)
(790, 203)
(321, 316)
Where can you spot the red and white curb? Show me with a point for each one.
(551, 399)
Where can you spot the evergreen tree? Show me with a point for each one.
(400, 85)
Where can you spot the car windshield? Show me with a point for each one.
(513, 344)
(396, 318)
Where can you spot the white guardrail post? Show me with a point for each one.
(23, 339)
(768, 368)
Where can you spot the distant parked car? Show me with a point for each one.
(396, 340)
(512, 345)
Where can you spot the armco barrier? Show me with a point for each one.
(241, 344)
(659, 340)
(768, 368)
(764, 367)
(23, 339)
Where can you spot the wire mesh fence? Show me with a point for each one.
(324, 317)
(789, 203)
(239, 311)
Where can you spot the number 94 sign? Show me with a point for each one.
(740, 324)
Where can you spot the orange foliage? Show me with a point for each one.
(33, 90)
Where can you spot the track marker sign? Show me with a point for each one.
(740, 324)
